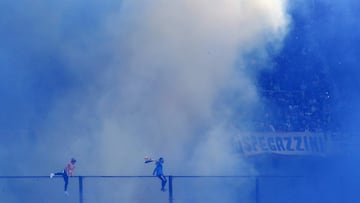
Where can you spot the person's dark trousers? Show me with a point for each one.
(66, 178)
(163, 182)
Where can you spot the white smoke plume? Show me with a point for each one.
(154, 78)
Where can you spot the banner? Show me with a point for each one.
(281, 143)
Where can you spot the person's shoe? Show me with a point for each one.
(163, 189)
(52, 175)
(66, 193)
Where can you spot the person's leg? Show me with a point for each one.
(59, 174)
(56, 174)
(163, 182)
(66, 180)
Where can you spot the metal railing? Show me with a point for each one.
(170, 182)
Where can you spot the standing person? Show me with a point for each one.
(158, 171)
(68, 171)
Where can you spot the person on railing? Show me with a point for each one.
(158, 171)
(68, 171)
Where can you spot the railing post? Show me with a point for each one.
(257, 200)
(171, 198)
(81, 200)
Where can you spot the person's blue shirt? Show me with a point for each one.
(158, 171)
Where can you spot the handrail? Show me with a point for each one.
(171, 177)
(174, 176)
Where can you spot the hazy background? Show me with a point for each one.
(111, 82)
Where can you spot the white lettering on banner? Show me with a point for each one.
(281, 143)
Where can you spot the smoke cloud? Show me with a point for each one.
(314, 52)
(110, 83)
